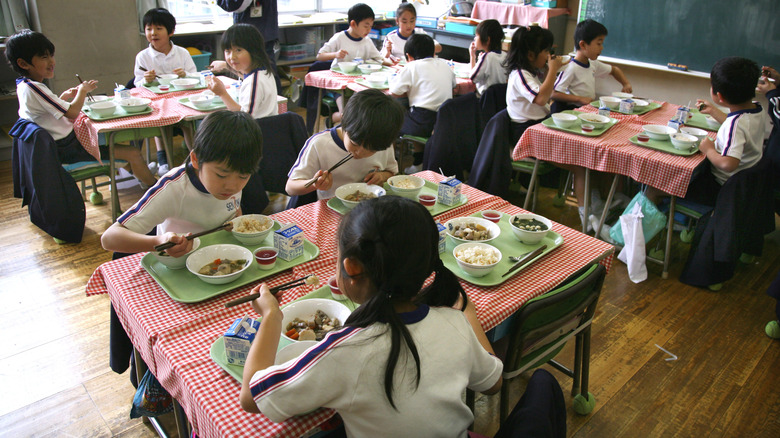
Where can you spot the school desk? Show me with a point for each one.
(174, 338)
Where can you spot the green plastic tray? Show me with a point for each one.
(430, 188)
(365, 83)
(647, 109)
(355, 72)
(698, 120)
(664, 146)
(217, 350)
(155, 87)
(575, 129)
(182, 286)
(215, 105)
(509, 246)
(118, 114)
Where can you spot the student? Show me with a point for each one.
(405, 19)
(203, 193)
(404, 357)
(772, 93)
(31, 54)
(245, 54)
(576, 86)
(428, 82)
(371, 123)
(162, 57)
(353, 42)
(487, 68)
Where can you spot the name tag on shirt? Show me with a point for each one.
(256, 11)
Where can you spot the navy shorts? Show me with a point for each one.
(418, 122)
(70, 150)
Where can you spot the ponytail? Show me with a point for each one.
(525, 41)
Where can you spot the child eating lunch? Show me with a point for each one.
(402, 360)
(487, 68)
(405, 18)
(370, 124)
(201, 194)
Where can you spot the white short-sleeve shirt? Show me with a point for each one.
(40, 105)
(522, 88)
(162, 63)
(488, 70)
(355, 47)
(257, 94)
(325, 149)
(428, 82)
(579, 79)
(179, 202)
(741, 136)
(345, 372)
(399, 42)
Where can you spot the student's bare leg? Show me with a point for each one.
(136, 161)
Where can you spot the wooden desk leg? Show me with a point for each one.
(604, 212)
(167, 139)
(112, 178)
(319, 104)
(669, 231)
(587, 201)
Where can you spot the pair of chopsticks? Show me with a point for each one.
(284, 286)
(226, 226)
(89, 95)
(525, 259)
(343, 160)
(143, 69)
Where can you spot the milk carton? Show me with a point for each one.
(604, 111)
(288, 241)
(626, 106)
(120, 93)
(675, 124)
(449, 191)
(442, 237)
(238, 338)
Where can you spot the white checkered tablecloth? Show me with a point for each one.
(174, 338)
(612, 152)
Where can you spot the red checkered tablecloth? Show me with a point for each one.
(331, 80)
(612, 152)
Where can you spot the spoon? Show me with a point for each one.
(514, 259)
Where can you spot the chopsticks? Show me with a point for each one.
(143, 69)
(284, 286)
(227, 226)
(89, 95)
(343, 160)
(525, 259)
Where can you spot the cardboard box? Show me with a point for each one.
(429, 22)
(238, 338)
(442, 237)
(289, 242)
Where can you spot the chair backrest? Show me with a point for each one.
(455, 138)
(493, 100)
(283, 138)
(309, 95)
(542, 325)
(492, 168)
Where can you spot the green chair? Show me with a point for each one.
(407, 145)
(537, 168)
(89, 170)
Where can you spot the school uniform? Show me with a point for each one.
(488, 70)
(162, 63)
(325, 149)
(355, 47)
(428, 83)
(580, 80)
(257, 94)
(179, 202)
(522, 88)
(352, 362)
(399, 41)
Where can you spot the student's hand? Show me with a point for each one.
(584, 100)
(764, 86)
(182, 247)
(180, 72)
(218, 66)
(554, 63)
(69, 94)
(393, 60)
(706, 145)
(341, 54)
(388, 48)
(150, 76)
(473, 50)
(771, 72)
(216, 86)
(627, 88)
(377, 177)
(704, 106)
(266, 303)
(324, 180)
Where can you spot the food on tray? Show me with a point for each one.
(313, 329)
(222, 267)
(404, 183)
(477, 255)
(359, 196)
(470, 231)
(250, 225)
(529, 224)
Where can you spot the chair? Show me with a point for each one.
(491, 171)
(309, 97)
(492, 101)
(456, 134)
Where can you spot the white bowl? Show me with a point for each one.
(305, 309)
(683, 141)
(597, 120)
(165, 79)
(369, 68)
(292, 351)
(177, 262)
(611, 102)
(640, 104)
(95, 99)
(696, 132)
(135, 104)
(493, 228)
(529, 237)
(347, 66)
(185, 83)
(103, 109)
(476, 270)
(622, 95)
(410, 193)
(564, 120)
(376, 79)
(711, 122)
(202, 101)
(348, 189)
(208, 254)
(658, 132)
(253, 238)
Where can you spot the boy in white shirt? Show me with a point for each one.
(428, 82)
(353, 42)
(371, 123)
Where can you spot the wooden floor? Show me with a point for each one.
(55, 380)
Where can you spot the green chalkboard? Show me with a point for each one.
(692, 32)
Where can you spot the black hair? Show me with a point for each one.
(372, 119)
(735, 79)
(405, 7)
(420, 46)
(160, 17)
(24, 45)
(588, 30)
(359, 12)
(230, 137)
(395, 268)
(250, 39)
(492, 30)
(533, 39)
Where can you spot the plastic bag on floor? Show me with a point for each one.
(653, 222)
(151, 399)
(633, 253)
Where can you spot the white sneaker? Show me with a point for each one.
(413, 169)
(585, 220)
(162, 170)
(152, 167)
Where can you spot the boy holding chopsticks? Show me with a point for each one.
(371, 122)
